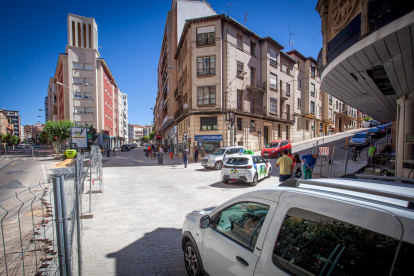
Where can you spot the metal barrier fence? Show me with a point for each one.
(10, 152)
(41, 227)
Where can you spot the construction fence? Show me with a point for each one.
(41, 227)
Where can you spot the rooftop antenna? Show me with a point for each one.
(245, 18)
(228, 6)
(290, 38)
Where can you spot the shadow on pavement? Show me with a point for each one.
(157, 253)
(231, 185)
(204, 170)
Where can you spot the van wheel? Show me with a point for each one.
(254, 182)
(225, 181)
(218, 165)
(192, 260)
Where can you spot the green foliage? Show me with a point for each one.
(144, 139)
(45, 137)
(366, 119)
(58, 131)
(10, 139)
(152, 135)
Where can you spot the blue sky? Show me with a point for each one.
(33, 33)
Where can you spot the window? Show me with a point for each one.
(239, 123)
(240, 42)
(239, 99)
(288, 68)
(206, 95)
(299, 103)
(273, 81)
(279, 132)
(307, 124)
(77, 80)
(205, 36)
(87, 66)
(299, 84)
(88, 81)
(77, 65)
(311, 244)
(239, 68)
(330, 99)
(287, 89)
(320, 110)
(273, 105)
(242, 222)
(313, 71)
(206, 66)
(78, 96)
(273, 57)
(337, 104)
(312, 107)
(252, 48)
(208, 123)
(312, 89)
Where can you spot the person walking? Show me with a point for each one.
(196, 154)
(371, 153)
(203, 152)
(297, 170)
(286, 166)
(171, 151)
(185, 156)
(148, 151)
(309, 161)
(114, 151)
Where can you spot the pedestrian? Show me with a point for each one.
(196, 154)
(297, 171)
(203, 152)
(309, 161)
(146, 152)
(171, 151)
(371, 153)
(185, 156)
(114, 151)
(286, 166)
(356, 151)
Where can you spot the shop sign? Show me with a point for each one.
(208, 138)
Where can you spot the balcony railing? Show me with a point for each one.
(273, 62)
(256, 84)
(206, 72)
(178, 113)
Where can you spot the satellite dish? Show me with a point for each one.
(185, 106)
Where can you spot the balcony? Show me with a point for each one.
(256, 84)
(285, 95)
(206, 72)
(273, 62)
(178, 113)
(177, 93)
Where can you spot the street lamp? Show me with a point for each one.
(73, 92)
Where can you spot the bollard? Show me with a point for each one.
(77, 206)
(160, 160)
(65, 226)
(59, 226)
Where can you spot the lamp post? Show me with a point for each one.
(73, 92)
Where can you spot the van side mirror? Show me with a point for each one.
(205, 222)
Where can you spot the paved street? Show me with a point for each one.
(136, 229)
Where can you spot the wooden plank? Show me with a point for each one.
(372, 55)
(406, 46)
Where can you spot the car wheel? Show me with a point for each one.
(269, 174)
(254, 182)
(218, 165)
(191, 260)
(225, 181)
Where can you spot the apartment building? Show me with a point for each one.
(148, 129)
(230, 77)
(14, 119)
(6, 126)
(50, 101)
(136, 132)
(166, 106)
(28, 131)
(84, 88)
(346, 117)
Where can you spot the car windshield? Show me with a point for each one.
(272, 145)
(373, 129)
(238, 161)
(219, 152)
(360, 135)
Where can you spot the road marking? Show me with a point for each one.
(13, 163)
(44, 172)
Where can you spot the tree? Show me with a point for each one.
(10, 139)
(45, 137)
(152, 135)
(58, 131)
(144, 139)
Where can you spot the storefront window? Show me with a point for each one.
(209, 146)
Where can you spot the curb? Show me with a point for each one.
(6, 164)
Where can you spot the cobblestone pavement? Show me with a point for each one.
(136, 228)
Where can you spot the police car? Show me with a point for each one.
(246, 168)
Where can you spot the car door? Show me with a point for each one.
(318, 235)
(260, 167)
(263, 167)
(233, 241)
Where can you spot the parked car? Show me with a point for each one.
(275, 148)
(360, 139)
(217, 158)
(383, 129)
(374, 132)
(374, 123)
(321, 227)
(246, 168)
(125, 147)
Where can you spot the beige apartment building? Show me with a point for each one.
(135, 133)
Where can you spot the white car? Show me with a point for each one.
(305, 227)
(219, 156)
(246, 168)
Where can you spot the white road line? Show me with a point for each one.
(44, 172)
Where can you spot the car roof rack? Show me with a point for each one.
(296, 183)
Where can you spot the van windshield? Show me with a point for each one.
(272, 145)
(360, 135)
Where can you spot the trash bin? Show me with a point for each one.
(108, 153)
(160, 159)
